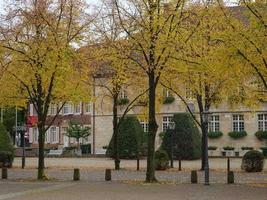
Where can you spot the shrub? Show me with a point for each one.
(6, 148)
(161, 160)
(253, 161)
(123, 101)
(212, 148)
(247, 148)
(261, 135)
(228, 148)
(215, 134)
(168, 100)
(186, 139)
(130, 136)
(237, 134)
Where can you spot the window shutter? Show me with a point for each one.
(30, 135)
(57, 135)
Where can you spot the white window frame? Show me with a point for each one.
(238, 122)
(262, 122)
(75, 110)
(123, 94)
(69, 106)
(54, 134)
(88, 107)
(166, 120)
(166, 93)
(35, 134)
(144, 124)
(214, 123)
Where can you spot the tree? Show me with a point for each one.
(37, 38)
(77, 131)
(130, 135)
(186, 139)
(247, 39)
(206, 69)
(6, 148)
(151, 27)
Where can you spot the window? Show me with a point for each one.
(52, 109)
(77, 108)
(88, 107)
(47, 137)
(188, 92)
(166, 93)
(54, 137)
(214, 124)
(238, 123)
(166, 122)
(144, 124)
(262, 122)
(35, 135)
(67, 109)
(123, 94)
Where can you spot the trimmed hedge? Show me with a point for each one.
(261, 135)
(215, 134)
(130, 137)
(212, 148)
(228, 148)
(247, 148)
(253, 161)
(186, 139)
(237, 134)
(161, 160)
(6, 148)
(168, 100)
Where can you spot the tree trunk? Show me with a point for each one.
(152, 131)
(115, 133)
(41, 141)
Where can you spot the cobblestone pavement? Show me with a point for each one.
(92, 169)
(130, 191)
(103, 163)
(128, 183)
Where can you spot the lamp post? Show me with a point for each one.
(172, 127)
(205, 134)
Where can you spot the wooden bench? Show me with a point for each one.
(57, 152)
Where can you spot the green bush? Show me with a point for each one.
(237, 134)
(228, 148)
(161, 160)
(253, 161)
(168, 100)
(130, 138)
(247, 148)
(261, 135)
(215, 134)
(123, 101)
(186, 139)
(212, 148)
(6, 148)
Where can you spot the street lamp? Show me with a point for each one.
(205, 134)
(171, 127)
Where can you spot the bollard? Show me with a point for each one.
(137, 164)
(228, 164)
(108, 175)
(180, 164)
(194, 176)
(230, 177)
(4, 173)
(76, 174)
